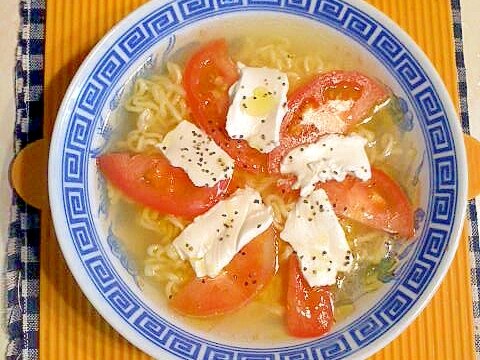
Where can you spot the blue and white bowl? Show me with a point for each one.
(83, 128)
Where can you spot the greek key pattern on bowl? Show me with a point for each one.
(335, 348)
(300, 354)
(213, 353)
(425, 103)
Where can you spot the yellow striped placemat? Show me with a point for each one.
(71, 329)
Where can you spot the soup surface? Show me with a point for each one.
(148, 224)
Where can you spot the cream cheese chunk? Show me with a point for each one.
(258, 107)
(215, 237)
(333, 157)
(189, 148)
(314, 232)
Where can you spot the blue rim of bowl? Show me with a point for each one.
(81, 111)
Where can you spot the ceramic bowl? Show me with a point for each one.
(143, 40)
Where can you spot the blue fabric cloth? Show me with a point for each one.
(472, 211)
(23, 244)
(24, 233)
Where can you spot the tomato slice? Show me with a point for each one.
(209, 74)
(151, 181)
(309, 309)
(248, 273)
(268, 184)
(379, 202)
(335, 101)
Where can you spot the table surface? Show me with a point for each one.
(8, 40)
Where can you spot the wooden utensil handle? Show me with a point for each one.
(29, 173)
(472, 146)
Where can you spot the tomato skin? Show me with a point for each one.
(309, 311)
(276, 184)
(379, 202)
(246, 275)
(364, 92)
(209, 74)
(151, 181)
